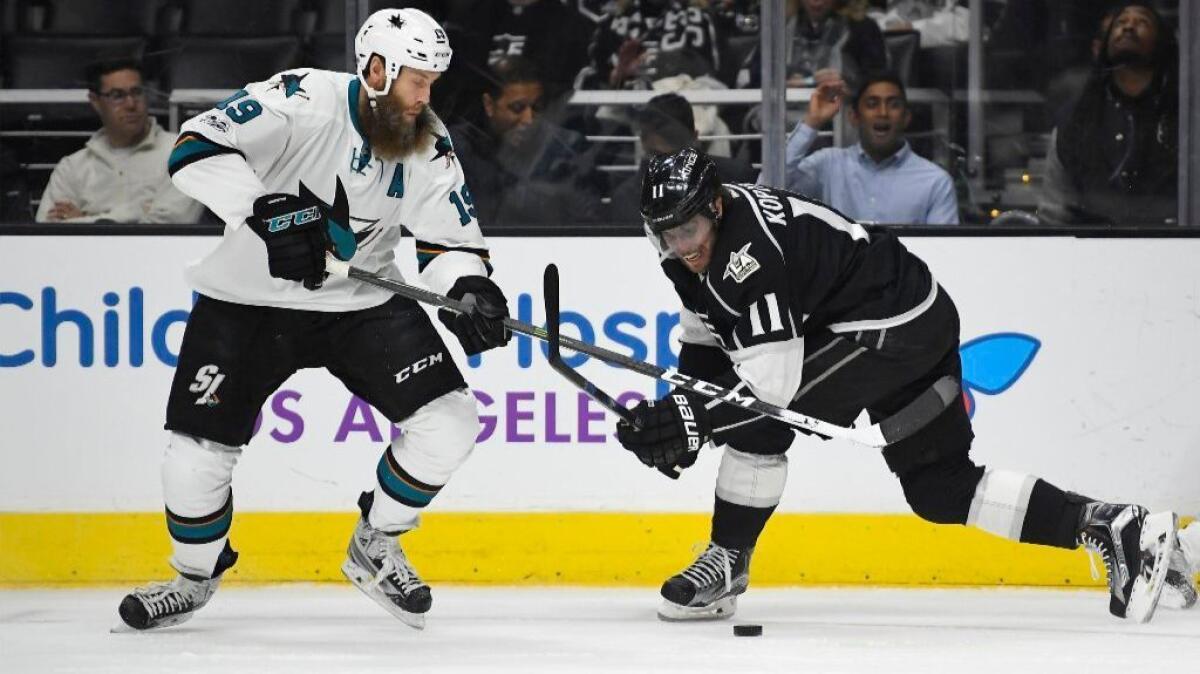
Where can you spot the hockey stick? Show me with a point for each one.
(554, 357)
(900, 425)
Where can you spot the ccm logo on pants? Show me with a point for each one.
(419, 365)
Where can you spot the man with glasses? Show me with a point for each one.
(120, 175)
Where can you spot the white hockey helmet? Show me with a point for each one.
(401, 37)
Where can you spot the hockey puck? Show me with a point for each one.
(747, 630)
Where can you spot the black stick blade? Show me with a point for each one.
(550, 297)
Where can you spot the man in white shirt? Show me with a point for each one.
(120, 175)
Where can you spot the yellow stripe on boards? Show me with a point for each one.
(605, 549)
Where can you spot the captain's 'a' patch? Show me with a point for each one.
(741, 264)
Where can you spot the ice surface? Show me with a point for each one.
(332, 628)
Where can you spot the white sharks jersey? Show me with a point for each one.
(303, 126)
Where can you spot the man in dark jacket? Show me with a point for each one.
(1114, 161)
(522, 168)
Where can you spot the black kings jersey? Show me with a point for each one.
(784, 266)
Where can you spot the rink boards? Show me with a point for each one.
(1078, 355)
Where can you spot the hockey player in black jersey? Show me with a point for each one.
(788, 299)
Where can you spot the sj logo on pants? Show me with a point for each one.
(208, 379)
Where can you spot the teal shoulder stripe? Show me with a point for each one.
(192, 147)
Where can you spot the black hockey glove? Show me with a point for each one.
(672, 431)
(299, 229)
(482, 326)
(294, 230)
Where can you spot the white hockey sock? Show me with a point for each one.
(1001, 499)
(196, 479)
(754, 480)
(437, 438)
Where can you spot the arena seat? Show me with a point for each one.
(55, 62)
(229, 62)
(243, 17)
(128, 17)
(327, 51)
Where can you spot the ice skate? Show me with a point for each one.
(376, 564)
(1180, 590)
(1135, 549)
(1157, 545)
(173, 602)
(708, 589)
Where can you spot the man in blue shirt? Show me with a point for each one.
(879, 180)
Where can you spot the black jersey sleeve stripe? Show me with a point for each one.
(191, 147)
(427, 252)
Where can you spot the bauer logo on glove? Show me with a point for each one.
(668, 433)
(691, 430)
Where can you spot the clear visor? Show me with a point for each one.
(684, 239)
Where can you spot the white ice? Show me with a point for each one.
(300, 629)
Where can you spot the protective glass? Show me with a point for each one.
(684, 239)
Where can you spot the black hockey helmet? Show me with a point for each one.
(678, 186)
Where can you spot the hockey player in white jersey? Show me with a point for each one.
(305, 163)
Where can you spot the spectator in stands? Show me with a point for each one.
(120, 175)
(522, 168)
(824, 37)
(880, 179)
(1114, 161)
(646, 40)
(554, 37)
(666, 125)
(941, 23)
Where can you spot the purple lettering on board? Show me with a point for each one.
(514, 415)
(586, 416)
(356, 409)
(486, 421)
(291, 416)
(552, 434)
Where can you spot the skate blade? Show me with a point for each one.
(360, 578)
(721, 609)
(1158, 539)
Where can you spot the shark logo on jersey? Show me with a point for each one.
(341, 239)
(443, 148)
(741, 265)
(290, 83)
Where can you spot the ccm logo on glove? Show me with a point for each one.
(282, 222)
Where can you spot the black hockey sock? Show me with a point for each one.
(1052, 517)
(737, 526)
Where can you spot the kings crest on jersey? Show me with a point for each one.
(303, 126)
(784, 266)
